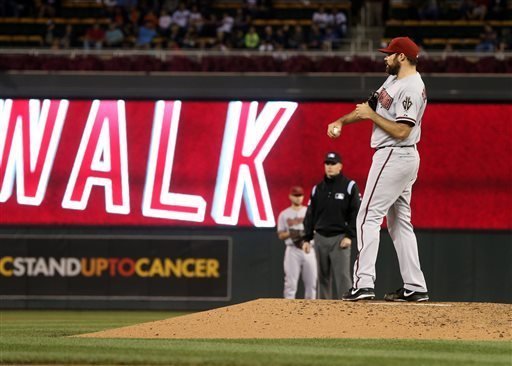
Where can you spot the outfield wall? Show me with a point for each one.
(86, 220)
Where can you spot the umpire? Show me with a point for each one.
(331, 221)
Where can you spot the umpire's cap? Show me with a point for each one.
(403, 45)
(332, 157)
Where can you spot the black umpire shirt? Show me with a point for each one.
(333, 208)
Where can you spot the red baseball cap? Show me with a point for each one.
(403, 45)
(296, 191)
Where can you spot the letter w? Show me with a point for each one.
(247, 141)
(29, 136)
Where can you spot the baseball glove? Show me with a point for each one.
(297, 237)
(373, 100)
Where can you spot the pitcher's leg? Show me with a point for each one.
(292, 263)
(378, 197)
(309, 275)
(406, 246)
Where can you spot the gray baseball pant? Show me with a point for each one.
(333, 265)
(388, 193)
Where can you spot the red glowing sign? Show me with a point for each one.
(174, 163)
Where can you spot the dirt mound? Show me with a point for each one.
(278, 318)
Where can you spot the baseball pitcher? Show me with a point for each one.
(396, 110)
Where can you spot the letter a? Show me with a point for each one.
(102, 160)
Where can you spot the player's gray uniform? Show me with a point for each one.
(296, 259)
(389, 186)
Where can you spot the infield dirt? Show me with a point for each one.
(279, 318)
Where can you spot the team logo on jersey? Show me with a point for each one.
(407, 103)
(385, 99)
(339, 196)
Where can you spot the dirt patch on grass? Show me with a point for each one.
(279, 318)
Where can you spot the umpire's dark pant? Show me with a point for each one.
(333, 266)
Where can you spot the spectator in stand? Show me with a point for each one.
(252, 39)
(191, 40)
(373, 9)
(195, 19)
(266, 46)
(497, 9)
(210, 26)
(226, 25)
(330, 39)
(427, 9)
(488, 39)
(280, 37)
(340, 22)
(315, 38)
(241, 20)
(268, 34)
(164, 23)
(50, 34)
(95, 36)
(238, 39)
(296, 38)
(320, 18)
(473, 9)
(152, 18)
(119, 16)
(113, 36)
(146, 35)
(68, 38)
(176, 35)
(180, 16)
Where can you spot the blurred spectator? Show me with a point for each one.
(151, 18)
(448, 52)
(175, 35)
(315, 38)
(118, 16)
(94, 36)
(266, 46)
(190, 40)
(268, 34)
(180, 16)
(238, 39)
(195, 19)
(488, 40)
(68, 38)
(49, 8)
(330, 39)
(320, 18)
(164, 23)
(340, 22)
(241, 20)
(113, 36)
(297, 38)
(473, 9)
(50, 34)
(373, 10)
(252, 39)
(146, 35)
(427, 9)
(280, 38)
(226, 25)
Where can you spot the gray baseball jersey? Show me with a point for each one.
(291, 219)
(400, 100)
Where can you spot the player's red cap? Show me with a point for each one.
(296, 191)
(403, 45)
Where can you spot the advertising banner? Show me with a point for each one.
(174, 163)
(75, 267)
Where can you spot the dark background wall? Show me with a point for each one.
(458, 265)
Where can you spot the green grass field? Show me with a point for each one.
(39, 337)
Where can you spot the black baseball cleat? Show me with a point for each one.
(403, 294)
(355, 294)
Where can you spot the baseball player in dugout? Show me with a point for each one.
(298, 256)
(396, 110)
(331, 222)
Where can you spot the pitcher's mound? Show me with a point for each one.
(278, 318)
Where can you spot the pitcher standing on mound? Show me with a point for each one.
(396, 110)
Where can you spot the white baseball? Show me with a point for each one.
(336, 131)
